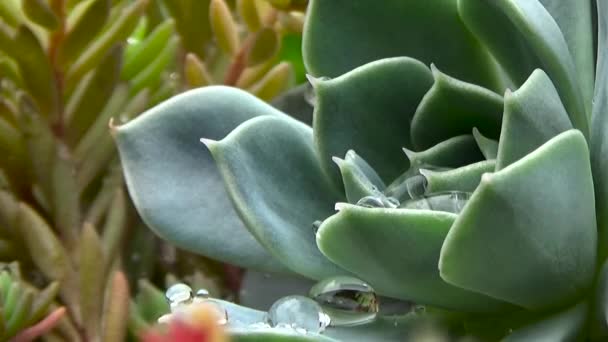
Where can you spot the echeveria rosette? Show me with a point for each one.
(503, 99)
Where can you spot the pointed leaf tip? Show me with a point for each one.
(209, 143)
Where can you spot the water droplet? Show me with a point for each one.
(347, 300)
(178, 294)
(420, 309)
(298, 311)
(132, 41)
(393, 202)
(201, 295)
(316, 225)
(451, 202)
(371, 202)
(405, 185)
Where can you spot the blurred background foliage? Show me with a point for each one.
(76, 263)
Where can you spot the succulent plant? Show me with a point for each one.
(66, 68)
(494, 219)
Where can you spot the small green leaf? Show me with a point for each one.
(43, 300)
(44, 248)
(248, 11)
(273, 83)
(533, 115)
(488, 147)
(33, 62)
(453, 107)
(453, 152)
(281, 220)
(194, 32)
(369, 110)
(358, 177)
(115, 228)
(116, 309)
(396, 251)
(145, 52)
(39, 12)
(89, 97)
(265, 46)
(92, 280)
(196, 72)
(544, 245)
(88, 23)
(40, 142)
(118, 31)
(152, 72)
(465, 178)
(187, 182)
(113, 105)
(224, 27)
(17, 319)
(65, 199)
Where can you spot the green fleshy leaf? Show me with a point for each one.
(523, 36)
(91, 94)
(453, 107)
(574, 20)
(454, 152)
(465, 178)
(385, 329)
(86, 25)
(39, 12)
(533, 115)
(543, 247)
(275, 335)
(566, 325)
(27, 50)
(194, 32)
(599, 138)
(488, 147)
(371, 244)
(138, 56)
(359, 178)
(369, 110)
(173, 181)
(341, 35)
(278, 204)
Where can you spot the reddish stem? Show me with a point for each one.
(42, 327)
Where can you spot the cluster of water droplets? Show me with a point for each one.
(335, 301)
(180, 296)
(410, 191)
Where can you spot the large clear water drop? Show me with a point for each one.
(451, 202)
(178, 294)
(347, 300)
(378, 200)
(298, 312)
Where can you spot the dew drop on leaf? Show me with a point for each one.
(298, 312)
(347, 300)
